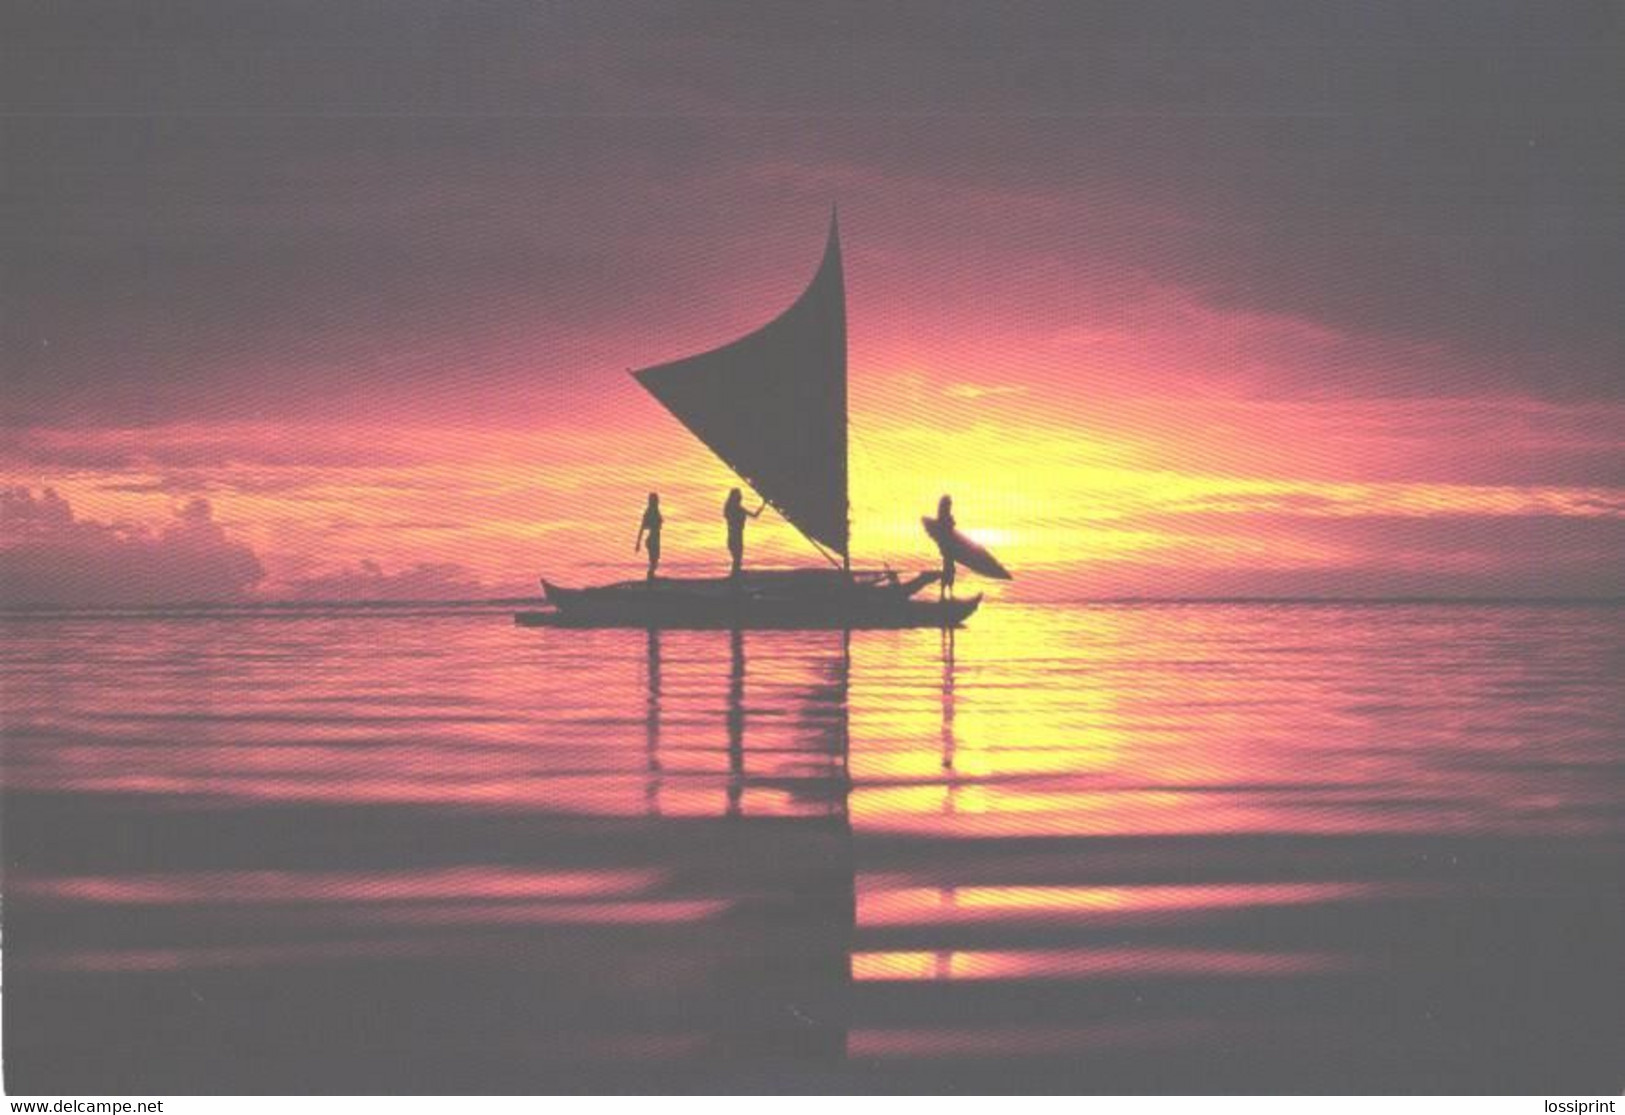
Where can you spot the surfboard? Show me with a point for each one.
(971, 555)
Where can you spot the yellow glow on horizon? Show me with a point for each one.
(509, 504)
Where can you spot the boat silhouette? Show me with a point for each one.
(772, 406)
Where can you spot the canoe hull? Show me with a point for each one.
(784, 604)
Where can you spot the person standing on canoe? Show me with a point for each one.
(652, 522)
(734, 512)
(945, 528)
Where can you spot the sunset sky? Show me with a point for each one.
(320, 300)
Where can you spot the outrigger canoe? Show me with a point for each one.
(784, 599)
(772, 406)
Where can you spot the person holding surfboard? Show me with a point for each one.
(652, 522)
(957, 549)
(945, 532)
(734, 512)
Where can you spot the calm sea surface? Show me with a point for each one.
(1106, 848)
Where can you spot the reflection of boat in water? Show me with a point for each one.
(776, 969)
(772, 405)
(788, 976)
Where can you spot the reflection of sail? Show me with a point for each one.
(827, 721)
(788, 980)
(772, 404)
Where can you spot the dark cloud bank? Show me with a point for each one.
(49, 557)
(240, 209)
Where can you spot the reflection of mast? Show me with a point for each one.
(651, 723)
(833, 897)
(841, 741)
(736, 721)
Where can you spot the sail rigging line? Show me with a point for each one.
(844, 562)
(822, 552)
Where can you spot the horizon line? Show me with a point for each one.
(46, 608)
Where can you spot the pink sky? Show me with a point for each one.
(1167, 312)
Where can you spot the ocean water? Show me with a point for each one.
(1145, 848)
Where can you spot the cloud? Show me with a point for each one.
(980, 391)
(163, 485)
(180, 450)
(368, 581)
(50, 557)
(556, 192)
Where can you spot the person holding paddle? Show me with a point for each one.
(735, 514)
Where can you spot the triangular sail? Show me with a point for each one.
(772, 405)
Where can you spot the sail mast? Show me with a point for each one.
(846, 409)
